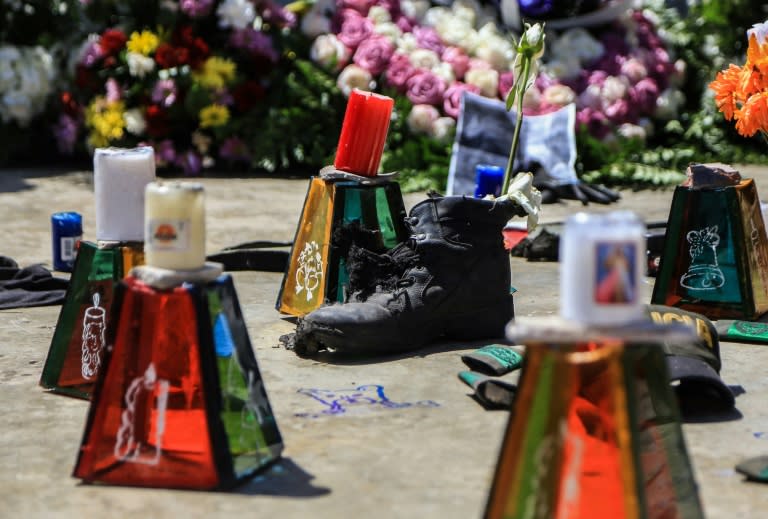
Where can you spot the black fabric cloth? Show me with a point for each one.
(29, 286)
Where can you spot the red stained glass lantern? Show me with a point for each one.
(179, 402)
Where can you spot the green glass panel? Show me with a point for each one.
(249, 422)
(386, 224)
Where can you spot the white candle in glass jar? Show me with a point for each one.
(175, 225)
(601, 268)
(119, 178)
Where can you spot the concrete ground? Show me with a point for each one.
(434, 458)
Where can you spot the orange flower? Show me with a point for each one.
(727, 85)
(741, 93)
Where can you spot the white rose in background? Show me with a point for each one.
(390, 30)
(614, 88)
(457, 32)
(445, 72)
(442, 128)
(487, 80)
(139, 65)
(497, 51)
(532, 99)
(379, 14)
(422, 118)
(415, 9)
(407, 43)
(634, 70)
(26, 78)
(329, 52)
(560, 95)
(355, 77)
(424, 58)
(591, 97)
(562, 68)
(577, 43)
(237, 14)
(468, 10)
(17, 106)
(668, 104)
(435, 15)
(134, 121)
(632, 131)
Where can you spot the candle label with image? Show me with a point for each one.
(615, 280)
(168, 235)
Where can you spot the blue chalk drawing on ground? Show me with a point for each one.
(342, 401)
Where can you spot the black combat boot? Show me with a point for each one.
(454, 282)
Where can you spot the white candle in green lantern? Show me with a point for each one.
(175, 225)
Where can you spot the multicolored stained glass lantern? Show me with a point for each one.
(179, 401)
(76, 350)
(316, 272)
(594, 433)
(715, 258)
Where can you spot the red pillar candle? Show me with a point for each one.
(363, 133)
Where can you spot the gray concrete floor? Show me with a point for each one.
(424, 460)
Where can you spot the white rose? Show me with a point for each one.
(134, 121)
(591, 97)
(237, 14)
(563, 68)
(445, 72)
(560, 95)
(407, 43)
(390, 30)
(435, 15)
(496, 51)
(424, 58)
(668, 103)
(487, 80)
(379, 14)
(614, 88)
(632, 131)
(355, 77)
(415, 9)
(422, 118)
(329, 52)
(9, 57)
(442, 128)
(457, 32)
(139, 65)
(467, 10)
(16, 105)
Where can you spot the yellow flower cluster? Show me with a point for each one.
(105, 120)
(144, 42)
(216, 72)
(214, 115)
(741, 93)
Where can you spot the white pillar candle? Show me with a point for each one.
(175, 225)
(119, 178)
(601, 268)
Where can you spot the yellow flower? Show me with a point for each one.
(105, 119)
(214, 115)
(216, 72)
(144, 42)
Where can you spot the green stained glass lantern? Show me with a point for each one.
(316, 272)
(715, 257)
(594, 432)
(179, 401)
(76, 349)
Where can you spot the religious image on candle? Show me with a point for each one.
(615, 268)
(175, 225)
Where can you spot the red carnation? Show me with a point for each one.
(112, 41)
(247, 94)
(198, 51)
(157, 122)
(168, 56)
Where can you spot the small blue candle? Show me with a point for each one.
(488, 180)
(67, 230)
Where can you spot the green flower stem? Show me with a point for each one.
(520, 86)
